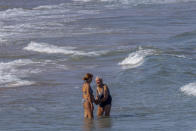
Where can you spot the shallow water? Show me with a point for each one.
(145, 51)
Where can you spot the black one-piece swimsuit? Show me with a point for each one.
(107, 102)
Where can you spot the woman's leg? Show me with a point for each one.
(100, 111)
(85, 114)
(92, 109)
(88, 113)
(85, 110)
(107, 110)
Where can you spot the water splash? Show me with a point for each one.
(189, 89)
(136, 58)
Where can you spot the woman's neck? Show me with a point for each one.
(101, 86)
(87, 82)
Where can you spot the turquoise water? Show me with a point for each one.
(144, 50)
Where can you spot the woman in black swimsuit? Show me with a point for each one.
(103, 97)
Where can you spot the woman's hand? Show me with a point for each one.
(92, 107)
(96, 101)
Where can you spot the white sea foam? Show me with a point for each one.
(13, 73)
(189, 89)
(139, 2)
(41, 21)
(136, 58)
(48, 7)
(10, 75)
(52, 49)
(12, 12)
(181, 56)
(178, 56)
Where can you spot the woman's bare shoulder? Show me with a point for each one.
(86, 85)
(105, 86)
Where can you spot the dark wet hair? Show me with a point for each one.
(87, 76)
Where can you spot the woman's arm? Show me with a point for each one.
(87, 90)
(97, 98)
(97, 95)
(90, 96)
(105, 87)
(93, 98)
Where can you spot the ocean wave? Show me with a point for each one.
(136, 58)
(53, 49)
(179, 56)
(9, 73)
(41, 21)
(189, 89)
(139, 2)
(14, 73)
(175, 55)
(12, 12)
(48, 7)
(2, 40)
(186, 34)
(64, 10)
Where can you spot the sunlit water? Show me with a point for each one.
(145, 50)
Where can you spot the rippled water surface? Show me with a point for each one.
(145, 50)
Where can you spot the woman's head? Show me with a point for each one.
(88, 77)
(99, 81)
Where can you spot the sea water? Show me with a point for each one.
(145, 51)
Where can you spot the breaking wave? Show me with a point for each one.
(41, 21)
(52, 49)
(136, 58)
(139, 2)
(189, 89)
(10, 75)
